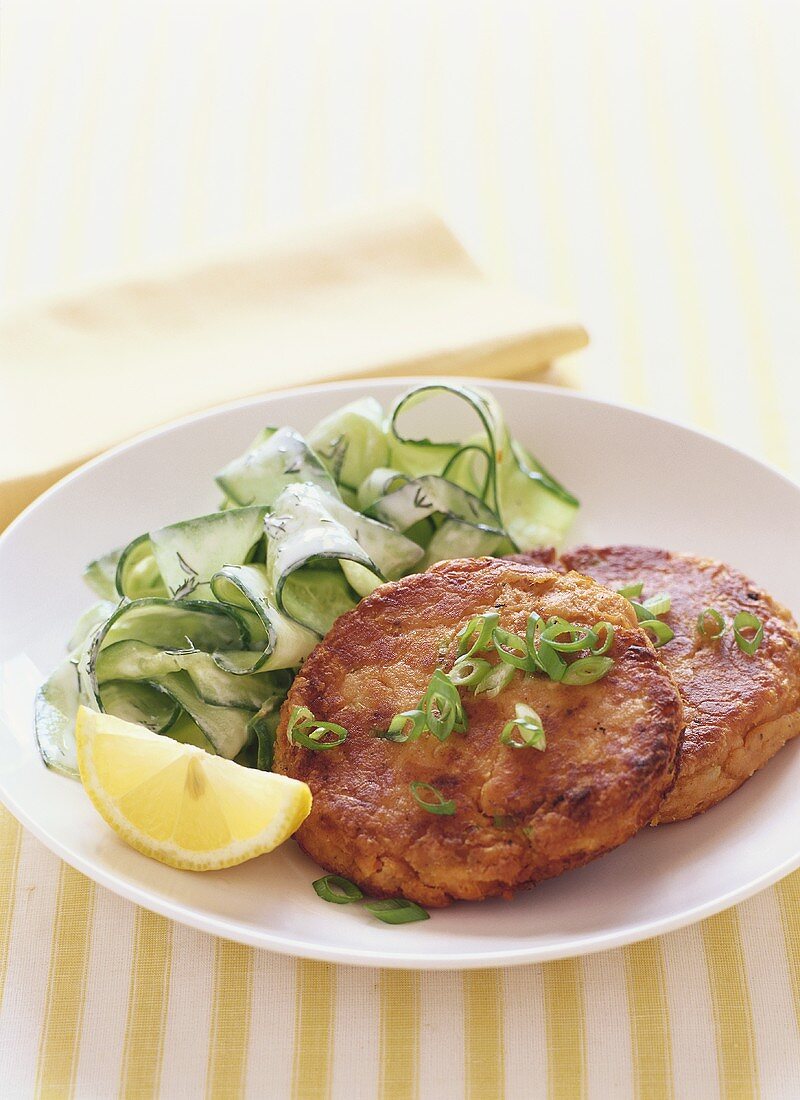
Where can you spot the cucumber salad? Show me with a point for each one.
(199, 627)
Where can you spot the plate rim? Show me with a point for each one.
(285, 945)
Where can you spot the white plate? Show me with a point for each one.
(640, 479)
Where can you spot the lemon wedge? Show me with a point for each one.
(177, 803)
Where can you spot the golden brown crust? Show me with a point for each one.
(608, 762)
(740, 709)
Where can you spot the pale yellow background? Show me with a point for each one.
(637, 163)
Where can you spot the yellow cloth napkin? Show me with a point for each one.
(392, 293)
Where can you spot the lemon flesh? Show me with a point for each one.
(177, 803)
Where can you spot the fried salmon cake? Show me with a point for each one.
(521, 815)
(739, 709)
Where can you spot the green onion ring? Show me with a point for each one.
(587, 670)
(658, 605)
(440, 805)
(533, 628)
(304, 729)
(631, 591)
(399, 730)
(660, 631)
(703, 624)
(512, 649)
(550, 662)
(334, 888)
(524, 731)
(444, 711)
(604, 632)
(468, 671)
(495, 681)
(580, 637)
(481, 626)
(747, 621)
(642, 613)
(396, 910)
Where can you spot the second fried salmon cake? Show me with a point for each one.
(740, 709)
(521, 815)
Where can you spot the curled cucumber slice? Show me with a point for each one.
(201, 625)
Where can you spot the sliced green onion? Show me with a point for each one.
(503, 821)
(579, 637)
(468, 671)
(525, 731)
(661, 633)
(334, 888)
(587, 670)
(749, 622)
(642, 613)
(408, 725)
(495, 681)
(512, 649)
(710, 624)
(604, 633)
(631, 591)
(658, 604)
(480, 628)
(533, 628)
(444, 711)
(550, 662)
(545, 657)
(439, 805)
(305, 730)
(396, 910)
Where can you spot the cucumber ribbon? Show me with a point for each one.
(200, 625)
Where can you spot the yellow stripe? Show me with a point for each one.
(318, 129)
(78, 196)
(489, 175)
(483, 1034)
(259, 102)
(230, 1021)
(205, 69)
(730, 998)
(565, 1028)
(313, 1030)
(148, 1001)
(548, 166)
(648, 1009)
(788, 895)
(621, 253)
(66, 986)
(778, 136)
(53, 68)
(679, 238)
(759, 343)
(10, 843)
(431, 101)
(141, 160)
(399, 1037)
(374, 126)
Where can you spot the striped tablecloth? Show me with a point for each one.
(638, 162)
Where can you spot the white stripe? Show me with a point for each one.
(186, 1041)
(525, 1036)
(607, 1027)
(269, 1052)
(441, 1055)
(356, 1034)
(777, 1039)
(107, 991)
(694, 1045)
(23, 1010)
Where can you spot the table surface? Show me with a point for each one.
(638, 163)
